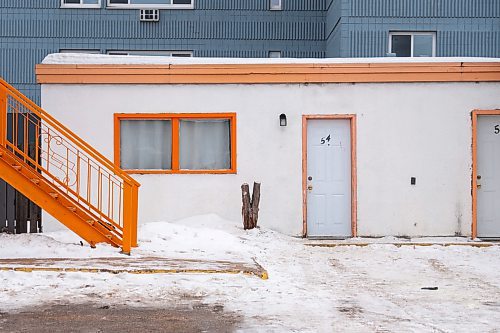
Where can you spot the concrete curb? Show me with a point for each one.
(262, 274)
(145, 265)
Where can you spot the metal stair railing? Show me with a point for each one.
(70, 164)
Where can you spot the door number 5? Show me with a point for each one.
(497, 129)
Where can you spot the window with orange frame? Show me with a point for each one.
(176, 143)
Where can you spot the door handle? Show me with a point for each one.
(478, 186)
(309, 187)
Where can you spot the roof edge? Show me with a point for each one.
(270, 73)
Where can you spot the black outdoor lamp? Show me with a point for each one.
(282, 119)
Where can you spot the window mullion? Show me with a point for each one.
(175, 144)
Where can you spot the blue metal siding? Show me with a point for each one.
(463, 27)
(31, 29)
(454, 37)
(425, 8)
(333, 28)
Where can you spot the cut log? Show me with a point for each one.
(255, 205)
(250, 209)
(245, 211)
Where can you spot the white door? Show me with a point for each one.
(328, 178)
(488, 176)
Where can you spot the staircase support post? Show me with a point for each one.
(129, 219)
(135, 200)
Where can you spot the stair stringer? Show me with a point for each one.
(43, 199)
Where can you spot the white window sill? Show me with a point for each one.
(81, 6)
(145, 6)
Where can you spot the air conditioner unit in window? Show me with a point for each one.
(150, 15)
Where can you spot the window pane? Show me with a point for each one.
(274, 54)
(150, 2)
(118, 2)
(90, 2)
(146, 144)
(152, 53)
(275, 4)
(205, 144)
(72, 1)
(401, 45)
(422, 45)
(182, 2)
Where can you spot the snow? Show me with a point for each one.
(79, 59)
(310, 289)
(191, 238)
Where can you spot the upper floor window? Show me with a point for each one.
(275, 5)
(81, 3)
(153, 53)
(169, 4)
(274, 54)
(412, 44)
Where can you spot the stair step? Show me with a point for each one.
(91, 222)
(54, 195)
(72, 208)
(17, 167)
(109, 237)
(35, 180)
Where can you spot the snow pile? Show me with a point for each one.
(207, 237)
(103, 59)
(61, 244)
(201, 237)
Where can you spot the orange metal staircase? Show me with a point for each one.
(64, 175)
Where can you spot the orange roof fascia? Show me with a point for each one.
(268, 73)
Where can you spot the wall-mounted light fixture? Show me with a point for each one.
(282, 119)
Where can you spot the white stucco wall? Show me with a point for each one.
(420, 130)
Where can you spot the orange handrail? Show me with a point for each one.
(106, 193)
(83, 144)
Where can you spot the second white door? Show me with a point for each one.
(488, 177)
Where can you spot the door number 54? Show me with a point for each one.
(327, 139)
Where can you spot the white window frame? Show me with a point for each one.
(146, 6)
(276, 7)
(164, 53)
(84, 51)
(81, 5)
(413, 34)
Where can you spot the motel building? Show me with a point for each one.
(342, 147)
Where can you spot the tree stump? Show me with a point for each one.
(250, 209)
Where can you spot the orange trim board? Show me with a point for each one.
(175, 117)
(269, 73)
(475, 114)
(354, 178)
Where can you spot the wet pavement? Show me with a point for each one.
(91, 318)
